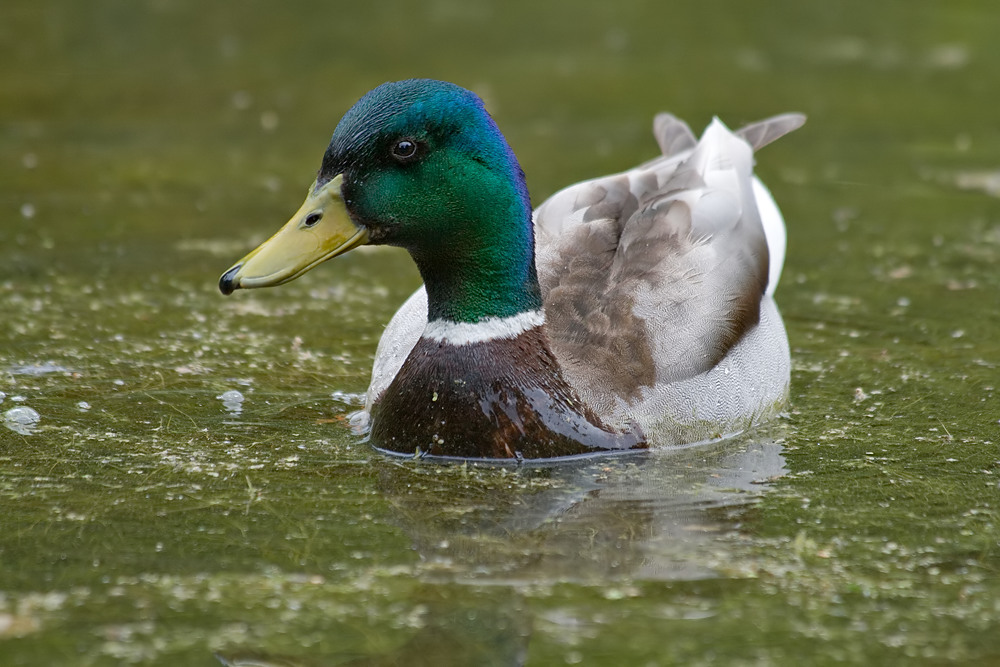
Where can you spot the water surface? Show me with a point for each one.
(153, 517)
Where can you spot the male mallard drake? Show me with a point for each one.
(631, 308)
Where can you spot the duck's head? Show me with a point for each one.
(418, 164)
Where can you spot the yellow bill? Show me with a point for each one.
(319, 230)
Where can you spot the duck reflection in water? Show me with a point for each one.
(487, 533)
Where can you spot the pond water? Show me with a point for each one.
(179, 483)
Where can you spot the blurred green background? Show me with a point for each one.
(146, 145)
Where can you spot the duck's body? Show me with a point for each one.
(677, 335)
(640, 311)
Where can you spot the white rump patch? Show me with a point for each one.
(492, 328)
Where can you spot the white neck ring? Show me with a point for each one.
(483, 331)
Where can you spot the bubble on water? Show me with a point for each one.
(21, 419)
(27, 211)
(2, 396)
(232, 401)
(83, 406)
(231, 396)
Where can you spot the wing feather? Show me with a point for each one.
(652, 275)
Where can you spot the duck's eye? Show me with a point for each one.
(405, 149)
(312, 219)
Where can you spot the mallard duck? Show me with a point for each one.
(628, 310)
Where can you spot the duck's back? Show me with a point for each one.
(656, 285)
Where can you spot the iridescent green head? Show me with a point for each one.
(420, 164)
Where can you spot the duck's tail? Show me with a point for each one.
(765, 131)
(758, 135)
